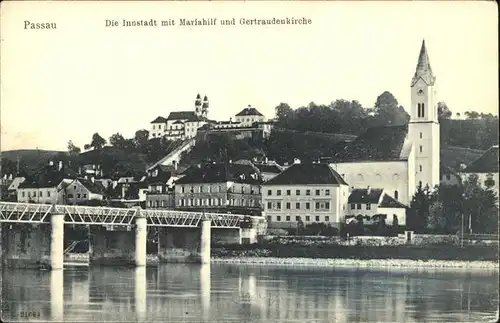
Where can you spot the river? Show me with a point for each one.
(230, 293)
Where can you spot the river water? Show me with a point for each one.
(230, 293)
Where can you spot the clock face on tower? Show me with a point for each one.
(420, 92)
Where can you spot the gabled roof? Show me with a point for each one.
(249, 112)
(48, 176)
(390, 202)
(221, 173)
(423, 70)
(487, 163)
(365, 195)
(159, 120)
(96, 187)
(184, 115)
(376, 144)
(304, 174)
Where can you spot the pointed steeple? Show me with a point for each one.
(423, 70)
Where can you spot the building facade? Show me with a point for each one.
(305, 192)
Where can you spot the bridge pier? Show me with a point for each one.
(57, 241)
(185, 245)
(141, 236)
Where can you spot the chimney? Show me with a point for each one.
(60, 165)
(369, 190)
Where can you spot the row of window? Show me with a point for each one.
(219, 189)
(163, 203)
(358, 206)
(297, 218)
(218, 202)
(297, 192)
(78, 196)
(319, 206)
(40, 194)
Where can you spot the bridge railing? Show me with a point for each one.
(24, 212)
(190, 219)
(96, 215)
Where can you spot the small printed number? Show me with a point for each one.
(30, 314)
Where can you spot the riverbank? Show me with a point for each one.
(358, 263)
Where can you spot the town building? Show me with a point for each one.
(449, 177)
(398, 158)
(485, 168)
(180, 125)
(228, 187)
(370, 202)
(248, 116)
(47, 185)
(305, 192)
(160, 193)
(80, 191)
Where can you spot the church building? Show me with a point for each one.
(398, 158)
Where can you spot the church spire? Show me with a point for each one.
(424, 70)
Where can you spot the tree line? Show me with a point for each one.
(471, 130)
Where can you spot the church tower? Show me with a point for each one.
(204, 107)
(197, 105)
(423, 128)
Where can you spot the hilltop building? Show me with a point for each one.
(485, 168)
(181, 124)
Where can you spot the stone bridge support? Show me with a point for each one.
(119, 245)
(185, 245)
(33, 245)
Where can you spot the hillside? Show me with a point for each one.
(453, 156)
(29, 159)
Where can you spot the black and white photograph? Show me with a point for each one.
(249, 161)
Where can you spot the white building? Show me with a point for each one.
(248, 116)
(81, 190)
(309, 192)
(398, 158)
(181, 124)
(369, 202)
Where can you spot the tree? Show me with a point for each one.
(86, 147)
(479, 206)
(97, 141)
(436, 221)
(419, 209)
(283, 111)
(72, 149)
(472, 114)
(141, 137)
(443, 112)
(116, 140)
(388, 111)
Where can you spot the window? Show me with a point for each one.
(201, 189)
(269, 205)
(242, 190)
(420, 148)
(278, 205)
(368, 206)
(288, 192)
(297, 192)
(420, 168)
(448, 177)
(327, 192)
(353, 206)
(317, 192)
(288, 205)
(34, 194)
(308, 192)
(358, 206)
(423, 110)
(70, 196)
(317, 205)
(396, 194)
(77, 196)
(22, 194)
(269, 192)
(48, 194)
(317, 218)
(288, 218)
(308, 218)
(278, 192)
(41, 193)
(420, 183)
(308, 205)
(278, 218)
(191, 189)
(327, 205)
(420, 135)
(297, 218)
(182, 189)
(327, 218)
(269, 218)
(297, 205)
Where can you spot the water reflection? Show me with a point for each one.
(57, 295)
(179, 292)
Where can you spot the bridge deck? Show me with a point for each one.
(40, 213)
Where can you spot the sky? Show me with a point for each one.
(81, 78)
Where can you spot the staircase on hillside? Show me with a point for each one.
(173, 157)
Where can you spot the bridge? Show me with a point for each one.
(33, 234)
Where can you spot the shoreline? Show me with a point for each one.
(356, 263)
